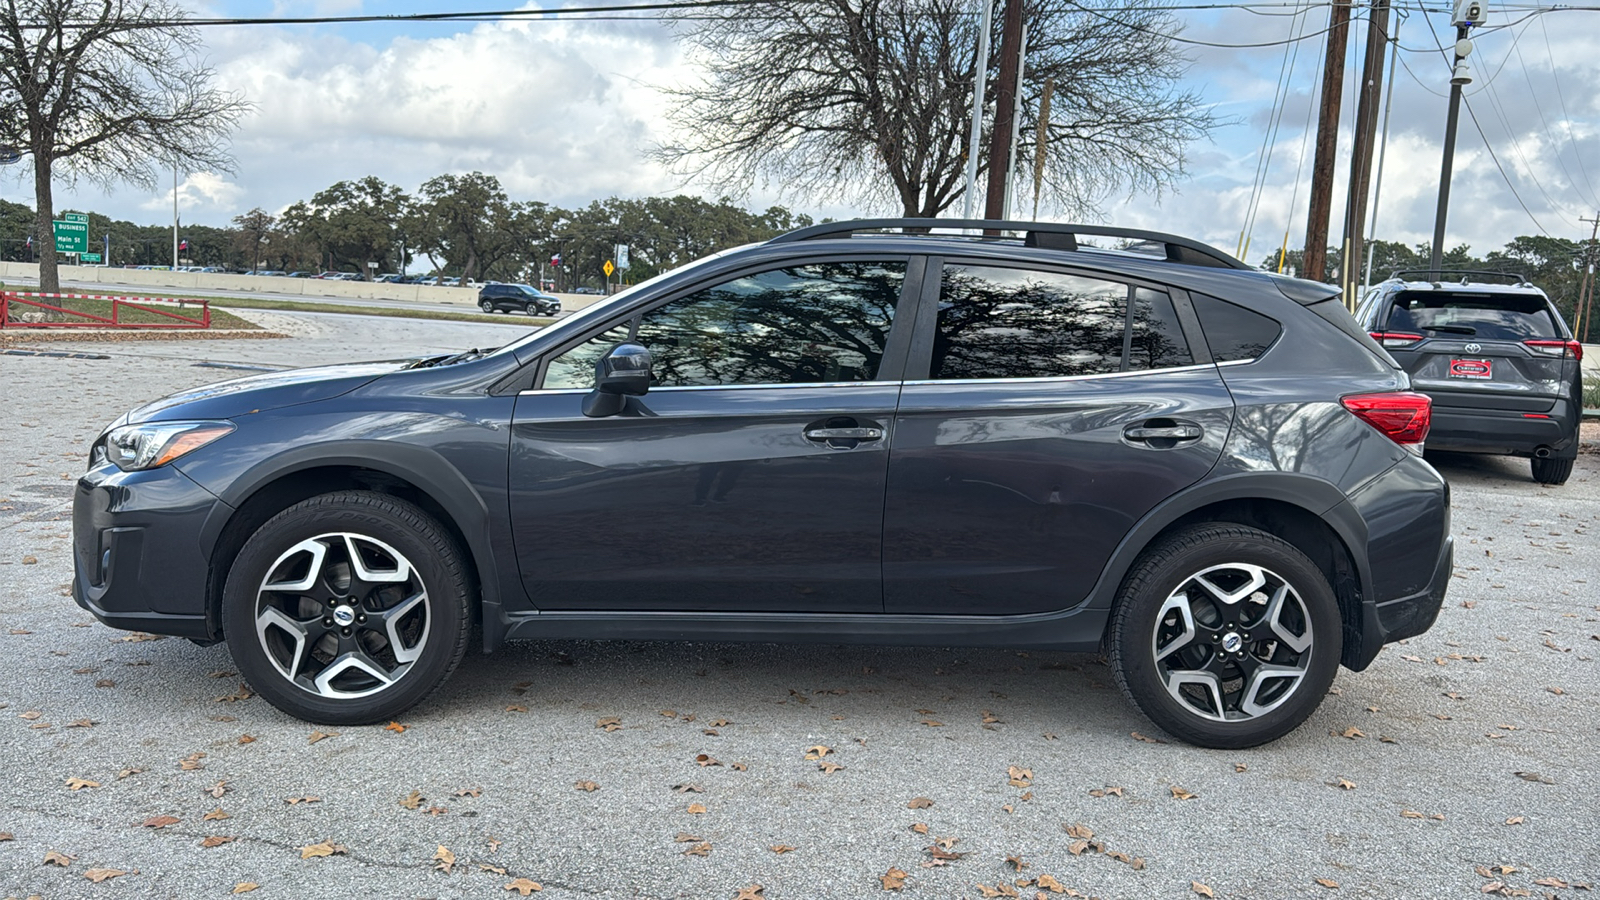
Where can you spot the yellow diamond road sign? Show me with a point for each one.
(609, 268)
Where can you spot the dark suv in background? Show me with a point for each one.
(497, 297)
(916, 438)
(1503, 369)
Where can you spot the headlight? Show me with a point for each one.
(151, 444)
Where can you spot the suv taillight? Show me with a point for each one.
(1558, 349)
(1395, 338)
(1402, 416)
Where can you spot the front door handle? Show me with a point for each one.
(839, 434)
(843, 432)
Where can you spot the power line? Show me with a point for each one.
(1566, 117)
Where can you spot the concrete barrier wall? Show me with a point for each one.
(198, 282)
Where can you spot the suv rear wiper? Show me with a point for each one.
(1452, 329)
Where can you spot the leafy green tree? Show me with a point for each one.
(468, 221)
(253, 229)
(353, 222)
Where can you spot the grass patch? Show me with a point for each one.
(385, 311)
(128, 315)
(1591, 393)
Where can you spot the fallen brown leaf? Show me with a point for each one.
(817, 751)
(244, 887)
(160, 821)
(1202, 889)
(57, 858)
(395, 727)
(524, 886)
(78, 784)
(216, 815)
(828, 766)
(1515, 820)
(1145, 739)
(1327, 882)
(703, 848)
(893, 880)
(586, 785)
(706, 760)
(609, 723)
(782, 848)
(443, 860)
(1179, 793)
(216, 840)
(296, 801)
(1049, 883)
(324, 848)
(918, 803)
(753, 892)
(1019, 777)
(468, 792)
(321, 736)
(99, 875)
(696, 809)
(919, 827)
(1531, 776)
(1106, 792)
(1082, 832)
(218, 790)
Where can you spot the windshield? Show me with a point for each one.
(1497, 317)
(603, 308)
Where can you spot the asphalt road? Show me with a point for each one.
(1463, 759)
(89, 287)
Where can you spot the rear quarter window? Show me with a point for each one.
(1234, 333)
(1497, 317)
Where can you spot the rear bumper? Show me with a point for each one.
(137, 562)
(1410, 553)
(1505, 431)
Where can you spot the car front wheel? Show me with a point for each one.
(347, 608)
(486, 306)
(1225, 636)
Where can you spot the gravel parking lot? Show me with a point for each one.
(1461, 763)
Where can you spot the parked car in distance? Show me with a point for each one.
(586, 290)
(1492, 350)
(497, 297)
(388, 278)
(871, 432)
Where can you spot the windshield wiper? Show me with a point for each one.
(463, 356)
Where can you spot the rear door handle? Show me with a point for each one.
(1170, 432)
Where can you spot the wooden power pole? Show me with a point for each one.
(1584, 310)
(1005, 109)
(1355, 214)
(1315, 260)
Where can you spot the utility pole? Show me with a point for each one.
(1005, 111)
(1315, 260)
(1355, 210)
(980, 80)
(1467, 14)
(1582, 312)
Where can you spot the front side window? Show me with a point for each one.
(1020, 323)
(805, 324)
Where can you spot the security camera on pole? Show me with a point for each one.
(1468, 14)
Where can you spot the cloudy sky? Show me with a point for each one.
(562, 111)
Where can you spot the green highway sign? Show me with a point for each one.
(89, 257)
(75, 217)
(72, 237)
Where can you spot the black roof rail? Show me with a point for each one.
(1437, 275)
(1048, 235)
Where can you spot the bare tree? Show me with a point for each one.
(873, 98)
(109, 91)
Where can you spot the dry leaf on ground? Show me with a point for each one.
(586, 785)
(444, 860)
(216, 840)
(160, 821)
(782, 848)
(1203, 890)
(524, 886)
(395, 727)
(817, 751)
(918, 803)
(894, 879)
(1078, 831)
(244, 887)
(78, 784)
(321, 736)
(325, 848)
(57, 858)
(99, 875)
(1179, 793)
(1327, 882)
(753, 892)
(696, 809)
(216, 815)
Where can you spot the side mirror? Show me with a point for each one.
(623, 372)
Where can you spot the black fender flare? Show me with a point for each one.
(430, 472)
(1317, 496)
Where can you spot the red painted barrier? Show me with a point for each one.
(11, 299)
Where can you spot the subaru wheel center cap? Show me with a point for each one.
(1231, 642)
(345, 616)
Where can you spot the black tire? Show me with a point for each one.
(1226, 639)
(1552, 470)
(397, 563)
(486, 306)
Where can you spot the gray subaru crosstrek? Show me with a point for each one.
(875, 432)
(1495, 356)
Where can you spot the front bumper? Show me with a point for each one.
(137, 558)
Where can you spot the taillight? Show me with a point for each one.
(1558, 349)
(1395, 338)
(1402, 416)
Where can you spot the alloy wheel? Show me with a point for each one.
(342, 615)
(1232, 642)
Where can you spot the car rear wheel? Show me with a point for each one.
(347, 608)
(486, 306)
(1225, 636)
(1551, 470)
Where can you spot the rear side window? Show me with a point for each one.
(1021, 323)
(1497, 317)
(1234, 333)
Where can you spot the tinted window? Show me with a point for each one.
(1158, 341)
(1018, 323)
(1234, 332)
(1501, 317)
(824, 322)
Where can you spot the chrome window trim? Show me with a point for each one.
(731, 387)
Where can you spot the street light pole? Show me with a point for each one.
(980, 80)
(1451, 119)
